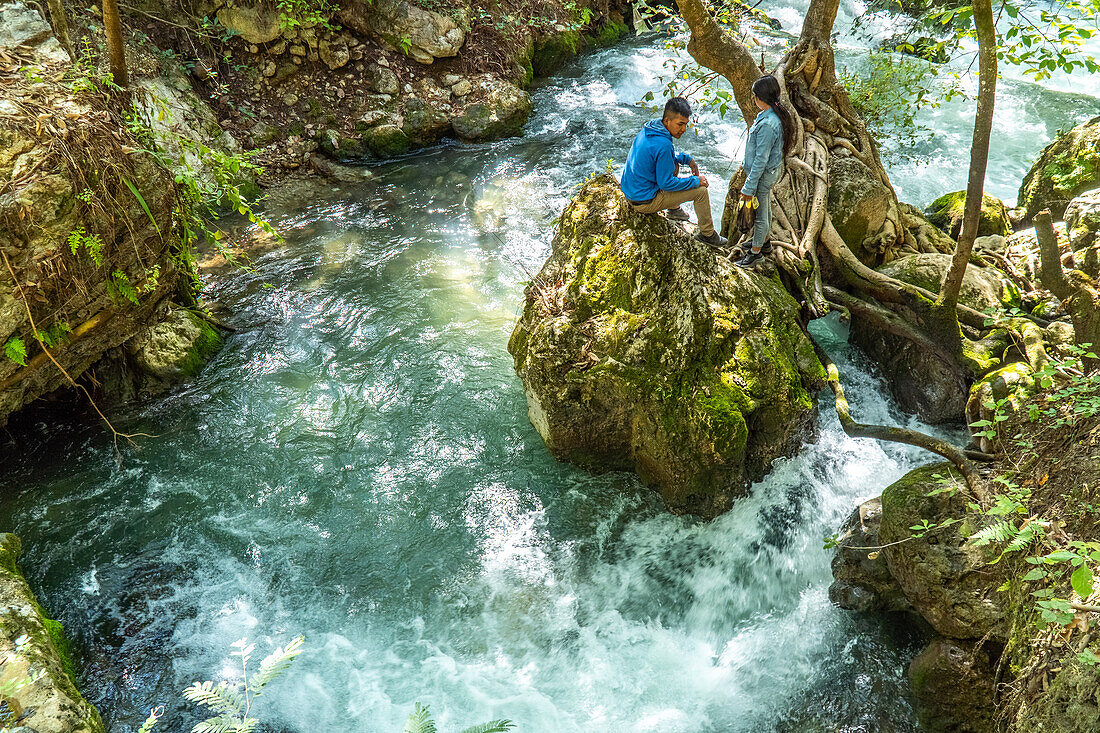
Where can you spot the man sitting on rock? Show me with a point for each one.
(649, 179)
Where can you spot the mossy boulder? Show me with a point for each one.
(947, 579)
(640, 350)
(860, 206)
(553, 50)
(1013, 381)
(33, 647)
(946, 212)
(500, 110)
(1066, 168)
(173, 350)
(952, 683)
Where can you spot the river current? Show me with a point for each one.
(357, 465)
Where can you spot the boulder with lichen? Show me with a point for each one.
(641, 350)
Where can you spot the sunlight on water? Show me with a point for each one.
(357, 465)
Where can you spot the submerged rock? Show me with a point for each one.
(946, 212)
(1066, 168)
(952, 684)
(33, 649)
(640, 350)
(921, 382)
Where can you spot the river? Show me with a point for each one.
(357, 465)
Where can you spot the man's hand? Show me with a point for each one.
(746, 197)
(694, 168)
(703, 182)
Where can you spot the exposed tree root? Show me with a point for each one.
(894, 434)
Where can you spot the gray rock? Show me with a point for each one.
(424, 34)
(862, 580)
(462, 88)
(1083, 227)
(449, 80)
(22, 25)
(990, 243)
(952, 683)
(503, 112)
(860, 205)
(947, 579)
(382, 80)
(258, 24)
(334, 55)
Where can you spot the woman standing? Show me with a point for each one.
(770, 138)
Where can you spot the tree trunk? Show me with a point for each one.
(1076, 290)
(979, 157)
(112, 26)
(60, 23)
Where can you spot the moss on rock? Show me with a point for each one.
(948, 580)
(946, 212)
(31, 642)
(1066, 168)
(639, 350)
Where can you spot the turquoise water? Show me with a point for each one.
(357, 465)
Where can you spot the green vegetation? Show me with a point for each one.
(294, 13)
(889, 93)
(1070, 398)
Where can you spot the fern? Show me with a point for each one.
(275, 664)
(420, 721)
(220, 724)
(16, 350)
(225, 699)
(997, 532)
(493, 726)
(120, 287)
(1024, 537)
(151, 721)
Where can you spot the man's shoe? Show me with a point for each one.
(677, 214)
(749, 259)
(767, 249)
(714, 239)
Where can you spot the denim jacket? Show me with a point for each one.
(764, 150)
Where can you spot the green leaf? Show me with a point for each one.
(1060, 556)
(1081, 580)
(145, 206)
(1036, 574)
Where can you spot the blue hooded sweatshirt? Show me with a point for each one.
(651, 165)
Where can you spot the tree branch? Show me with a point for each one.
(893, 434)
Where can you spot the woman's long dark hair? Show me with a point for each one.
(766, 89)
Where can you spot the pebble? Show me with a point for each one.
(462, 88)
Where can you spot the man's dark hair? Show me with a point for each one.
(677, 106)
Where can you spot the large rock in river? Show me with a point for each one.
(640, 350)
(921, 382)
(946, 212)
(38, 692)
(1066, 168)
